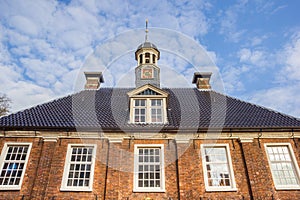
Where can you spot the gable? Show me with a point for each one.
(148, 91)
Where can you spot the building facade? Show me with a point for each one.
(149, 142)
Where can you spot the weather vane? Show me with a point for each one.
(146, 36)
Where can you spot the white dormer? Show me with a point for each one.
(148, 105)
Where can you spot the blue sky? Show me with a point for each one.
(254, 44)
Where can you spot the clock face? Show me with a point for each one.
(147, 73)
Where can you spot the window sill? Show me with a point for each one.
(221, 189)
(288, 188)
(149, 190)
(149, 123)
(9, 188)
(76, 189)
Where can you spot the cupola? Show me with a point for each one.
(147, 71)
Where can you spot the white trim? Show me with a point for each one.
(148, 108)
(232, 186)
(2, 159)
(162, 169)
(294, 163)
(64, 186)
(135, 93)
(246, 140)
(50, 139)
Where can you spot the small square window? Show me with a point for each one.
(285, 171)
(13, 163)
(149, 172)
(79, 165)
(217, 166)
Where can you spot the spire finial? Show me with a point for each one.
(146, 36)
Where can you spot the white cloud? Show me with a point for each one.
(24, 25)
(232, 78)
(15, 38)
(25, 95)
(229, 21)
(44, 43)
(43, 72)
(24, 15)
(74, 40)
(258, 40)
(9, 74)
(268, 6)
(291, 70)
(285, 97)
(258, 58)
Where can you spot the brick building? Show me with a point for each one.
(149, 142)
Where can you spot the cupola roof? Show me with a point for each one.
(147, 44)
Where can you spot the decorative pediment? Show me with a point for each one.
(148, 90)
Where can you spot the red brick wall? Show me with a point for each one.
(44, 171)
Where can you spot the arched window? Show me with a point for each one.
(153, 58)
(141, 58)
(147, 57)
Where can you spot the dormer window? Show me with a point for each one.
(148, 105)
(140, 110)
(148, 110)
(156, 110)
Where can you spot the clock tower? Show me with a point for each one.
(147, 71)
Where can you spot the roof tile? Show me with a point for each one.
(108, 108)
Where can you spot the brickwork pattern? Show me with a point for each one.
(45, 169)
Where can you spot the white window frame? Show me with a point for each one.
(136, 188)
(140, 108)
(64, 186)
(2, 160)
(294, 165)
(232, 186)
(156, 108)
(148, 110)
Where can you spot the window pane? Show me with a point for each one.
(136, 103)
(156, 110)
(140, 110)
(13, 166)
(217, 167)
(282, 166)
(156, 102)
(149, 173)
(142, 107)
(79, 168)
(153, 103)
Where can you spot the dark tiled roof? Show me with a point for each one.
(108, 108)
